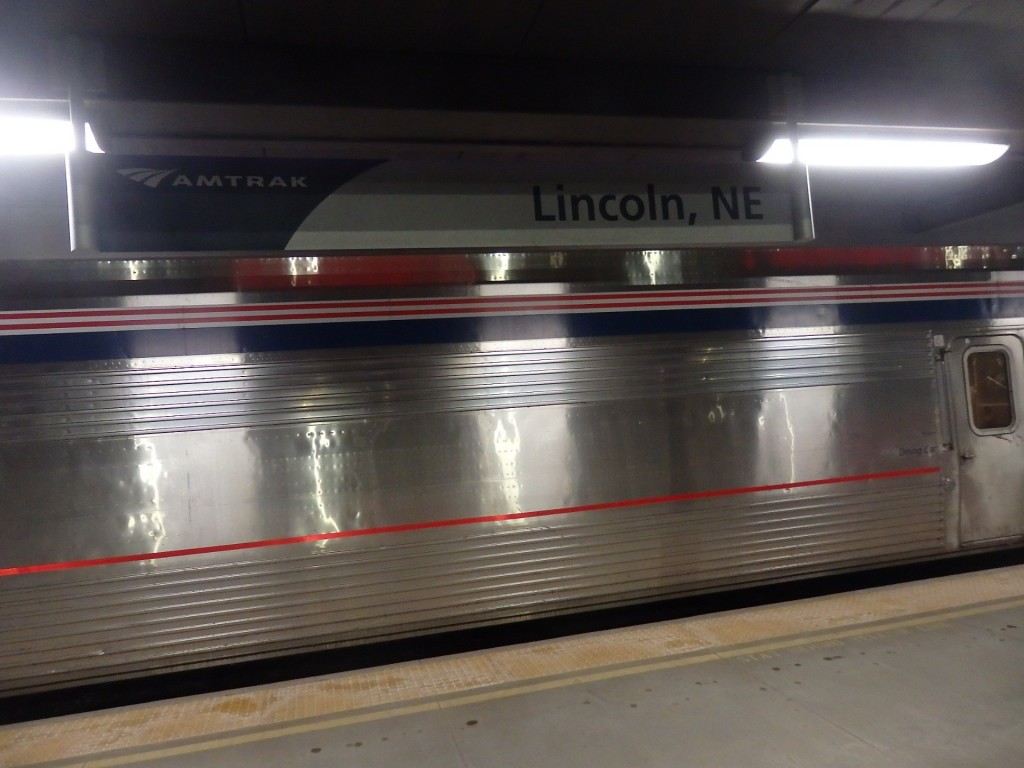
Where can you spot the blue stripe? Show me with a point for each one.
(120, 345)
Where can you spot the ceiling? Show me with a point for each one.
(917, 62)
(704, 75)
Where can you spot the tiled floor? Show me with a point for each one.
(924, 674)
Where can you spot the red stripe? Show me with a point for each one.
(26, 569)
(729, 296)
(257, 314)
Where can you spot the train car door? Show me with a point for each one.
(987, 386)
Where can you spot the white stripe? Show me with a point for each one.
(226, 315)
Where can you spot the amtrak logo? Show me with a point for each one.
(151, 177)
(154, 177)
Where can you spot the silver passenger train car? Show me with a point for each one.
(210, 460)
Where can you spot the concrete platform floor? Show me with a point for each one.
(927, 674)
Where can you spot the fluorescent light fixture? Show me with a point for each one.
(35, 136)
(41, 136)
(851, 152)
(91, 145)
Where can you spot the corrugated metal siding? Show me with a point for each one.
(616, 420)
(138, 623)
(165, 395)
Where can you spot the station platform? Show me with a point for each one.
(927, 674)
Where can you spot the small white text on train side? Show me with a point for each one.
(155, 177)
(239, 181)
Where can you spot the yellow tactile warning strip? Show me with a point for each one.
(124, 737)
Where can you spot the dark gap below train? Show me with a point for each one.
(90, 698)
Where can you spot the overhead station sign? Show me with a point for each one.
(188, 204)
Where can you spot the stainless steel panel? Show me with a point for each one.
(991, 482)
(144, 397)
(250, 609)
(98, 461)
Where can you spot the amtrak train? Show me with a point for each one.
(209, 460)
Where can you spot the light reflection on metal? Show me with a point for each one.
(717, 413)
(506, 446)
(151, 472)
(792, 438)
(303, 265)
(652, 260)
(501, 270)
(956, 255)
(521, 345)
(320, 441)
(816, 330)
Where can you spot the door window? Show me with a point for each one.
(990, 390)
